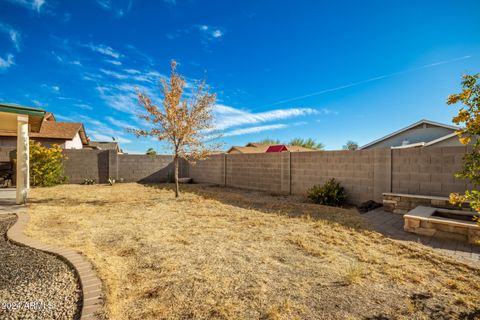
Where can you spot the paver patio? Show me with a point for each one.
(391, 225)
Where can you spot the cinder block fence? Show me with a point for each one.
(365, 174)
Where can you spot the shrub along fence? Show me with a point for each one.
(365, 174)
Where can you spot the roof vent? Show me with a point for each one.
(405, 142)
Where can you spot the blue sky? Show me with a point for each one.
(330, 70)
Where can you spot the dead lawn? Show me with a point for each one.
(230, 254)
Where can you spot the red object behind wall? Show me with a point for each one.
(277, 148)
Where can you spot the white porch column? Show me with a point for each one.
(23, 172)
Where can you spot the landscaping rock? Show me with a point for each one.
(34, 284)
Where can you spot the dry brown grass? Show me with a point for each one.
(230, 254)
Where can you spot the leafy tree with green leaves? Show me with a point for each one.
(350, 145)
(269, 141)
(307, 143)
(151, 152)
(46, 165)
(469, 118)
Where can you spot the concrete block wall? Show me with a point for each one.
(261, 171)
(100, 165)
(211, 170)
(353, 169)
(365, 174)
(86, 164)
(144, 168)
(428, 171)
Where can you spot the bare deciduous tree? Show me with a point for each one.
(182, 121)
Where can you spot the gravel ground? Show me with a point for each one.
(34, 284)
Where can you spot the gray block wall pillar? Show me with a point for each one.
(224, 169)
(112, 164)
(286, 177)
(382, 173)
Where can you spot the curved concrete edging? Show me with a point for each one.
(89, 282)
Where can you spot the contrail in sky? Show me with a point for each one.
(353, 84)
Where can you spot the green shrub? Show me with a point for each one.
(330, 194)
(46, 165)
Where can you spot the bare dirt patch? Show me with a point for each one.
(232, 254)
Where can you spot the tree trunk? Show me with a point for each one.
(175, 163)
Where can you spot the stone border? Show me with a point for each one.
(89, 282)
(402, 203)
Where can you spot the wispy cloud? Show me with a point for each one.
(210, 33)
(114, 62)
(114, 74)
(52, 88)
(7, 62)
(239, 132)
(103, 49)
(100, 136)
(102, 132)
(116, 8)
(227, 117)
(13, 34)
(119, 123)
(38, 103)
(35, 5)
(357, 83)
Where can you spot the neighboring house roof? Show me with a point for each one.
(277, 148)
(299, 149)
(35, 114)
(57, 130)
(245, 150)
(49, 117)
(448, 136)
(104, 145)
(263, 148)
(423, 121)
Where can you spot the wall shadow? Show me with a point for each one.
(267, 202)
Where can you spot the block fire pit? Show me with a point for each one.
(448, 223)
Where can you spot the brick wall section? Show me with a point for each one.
(145, 168)
(86, 164)
(101, 165)
(209, 171)
(427, 171)
(354, 170)
(261, 171)
(365, 174)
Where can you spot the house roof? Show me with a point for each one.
(104, 145)
(446, 137)
(253, 147)
(434, 123)
(277, 148)
(57, 130)
(35, 114)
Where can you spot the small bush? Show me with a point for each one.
(330, 194)
(46, 165)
